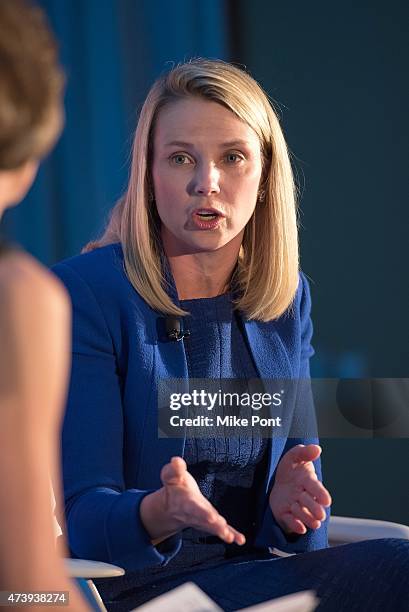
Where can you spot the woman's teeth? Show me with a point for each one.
(207, 215)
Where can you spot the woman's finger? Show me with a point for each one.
(302, 514)
(208, 519)
(316, 510)
(231, 535)
(290, 524)
(297, 456)
(204, 516)
(316, 490)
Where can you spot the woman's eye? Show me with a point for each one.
(233, 158)
(179, 159)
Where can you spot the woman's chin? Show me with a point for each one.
(198, 242)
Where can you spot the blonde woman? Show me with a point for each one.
(206, 235)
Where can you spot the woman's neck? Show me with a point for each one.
(203, 274)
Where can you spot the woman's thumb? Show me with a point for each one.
(309, 452)
(174, 471)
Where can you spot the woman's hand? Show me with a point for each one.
(180, 504)
(298, 499)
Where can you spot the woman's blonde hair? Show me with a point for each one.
(266, 275)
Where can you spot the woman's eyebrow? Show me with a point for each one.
(222, 145)
(235, 143)
(178, 143)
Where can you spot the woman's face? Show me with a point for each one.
(206, 173)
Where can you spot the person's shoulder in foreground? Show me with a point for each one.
(34, 313)
(24, 279)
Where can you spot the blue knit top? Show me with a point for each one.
(226, 469)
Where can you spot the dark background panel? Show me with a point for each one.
(339, 74)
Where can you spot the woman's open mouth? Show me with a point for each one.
(206, 219)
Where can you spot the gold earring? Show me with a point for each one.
(261, 196)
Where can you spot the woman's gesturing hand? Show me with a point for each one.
(298, 499)
(180, 504)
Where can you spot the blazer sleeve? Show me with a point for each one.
(270, 532)
(102, 516)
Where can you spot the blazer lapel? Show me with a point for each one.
(169, 363)
(272, 362)
(268, 351)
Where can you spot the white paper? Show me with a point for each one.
(304, 601)
(190, 598)
(185, 598)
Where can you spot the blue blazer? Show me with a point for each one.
(112, 456)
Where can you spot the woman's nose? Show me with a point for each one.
(207, 180)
